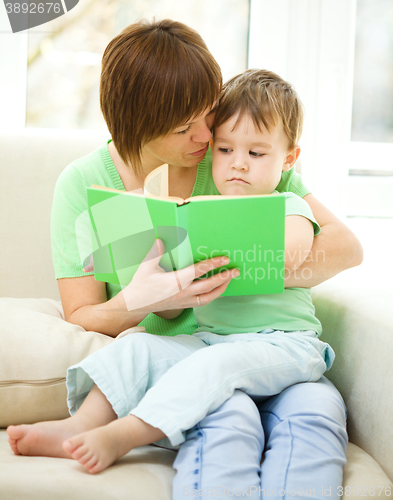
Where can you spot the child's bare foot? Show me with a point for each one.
(99, 448)
(42, 439)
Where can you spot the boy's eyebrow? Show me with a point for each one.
(260, 144)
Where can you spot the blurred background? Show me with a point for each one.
(337, 53)
(68, 58)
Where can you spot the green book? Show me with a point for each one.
(250, 230)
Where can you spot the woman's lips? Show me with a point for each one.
(201, 152)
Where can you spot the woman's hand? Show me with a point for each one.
(152, 289)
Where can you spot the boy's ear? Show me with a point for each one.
(291, 158)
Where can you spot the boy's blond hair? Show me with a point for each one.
(266, 98)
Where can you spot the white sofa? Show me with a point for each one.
(37, 346)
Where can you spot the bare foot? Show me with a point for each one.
(42, 439)
(99, 448)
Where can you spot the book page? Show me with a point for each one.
(156, 183)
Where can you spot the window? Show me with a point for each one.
(66, 54)
(372, 105)
(53, 70)
(372, 111)
(338, 55)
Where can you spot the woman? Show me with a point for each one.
(159, 86)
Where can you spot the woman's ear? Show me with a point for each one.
(291, 158)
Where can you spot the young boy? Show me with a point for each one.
(149, 389)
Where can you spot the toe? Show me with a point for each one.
(13, 446)
(85, 458)
(91, 463)
(73, 444)
(68, 447)
(96, 467)
(80, 452)
(16, 431)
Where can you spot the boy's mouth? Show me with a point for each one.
(236, 180)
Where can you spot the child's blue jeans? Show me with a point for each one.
(172, 383)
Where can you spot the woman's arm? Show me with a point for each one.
(169, 314)
(335, 249)
(299, 236)
(85, 303)
(151, 290)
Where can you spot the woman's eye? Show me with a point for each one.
(184, 131)
(254, 153)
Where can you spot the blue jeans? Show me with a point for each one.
(302, 432)
(172, 383)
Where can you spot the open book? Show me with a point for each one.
(250, 230)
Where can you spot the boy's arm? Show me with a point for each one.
(335, 249)
(299, 236)
(169, 314)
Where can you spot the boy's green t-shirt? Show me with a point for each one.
(70, 223)
(291, 310)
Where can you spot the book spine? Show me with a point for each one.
(184, 251)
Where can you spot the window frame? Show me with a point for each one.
(13, 87)
(311, 43)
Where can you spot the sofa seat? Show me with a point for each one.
(37, 346)
(143, 474)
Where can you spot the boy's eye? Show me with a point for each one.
(254, 153)
(184, 131)
(224, 150)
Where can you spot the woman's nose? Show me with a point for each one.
(202, 133)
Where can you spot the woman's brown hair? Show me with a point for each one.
(155, 77)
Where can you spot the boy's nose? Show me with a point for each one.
(239, 164)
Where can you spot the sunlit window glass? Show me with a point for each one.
(372, 114)
(64, 59)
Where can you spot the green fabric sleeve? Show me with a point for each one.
(291, 181)
(70, 226)
(294, 205)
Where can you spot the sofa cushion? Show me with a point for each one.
(357, 323)
(143, 474)
(40, 346)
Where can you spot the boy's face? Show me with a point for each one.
(247, 161)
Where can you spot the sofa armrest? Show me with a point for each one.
(30, 163)
(358, 324)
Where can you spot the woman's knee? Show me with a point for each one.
(239, 412)
(310, 398)
(312, 410)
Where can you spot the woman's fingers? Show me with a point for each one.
(90, 267)
(155, 289)
(205, 298)
(205, 266)
(155, 253)
(205, 285)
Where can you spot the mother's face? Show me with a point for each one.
(186, 146)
